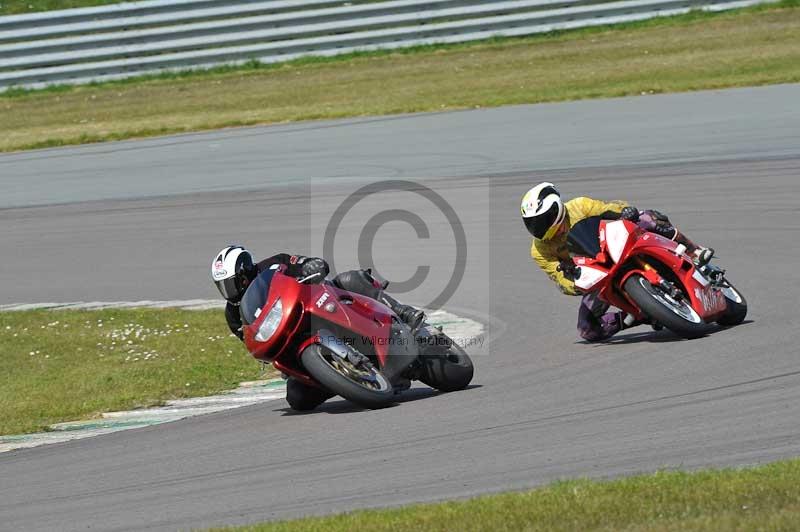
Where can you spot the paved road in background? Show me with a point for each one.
(724, 165)
(728, 124)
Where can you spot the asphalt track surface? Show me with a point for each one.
(724, 164)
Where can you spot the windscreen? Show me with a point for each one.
(256, 296)
(583, 239)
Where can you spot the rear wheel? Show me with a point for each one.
(364, 384)
(737, 305)
(449, 371)
(675, 314)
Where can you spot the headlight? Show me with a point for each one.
(270, 323)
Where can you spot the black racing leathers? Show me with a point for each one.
(297, 266)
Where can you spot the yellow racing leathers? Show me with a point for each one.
(549, 253)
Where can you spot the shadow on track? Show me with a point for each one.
(337, 405)
(663, 336)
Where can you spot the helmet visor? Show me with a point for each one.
(538, 226)
(229, 288)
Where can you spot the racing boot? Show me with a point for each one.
(408, 314)
(702, 256)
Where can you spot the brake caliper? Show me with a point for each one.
(671, 290)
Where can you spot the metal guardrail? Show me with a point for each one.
(129, 39)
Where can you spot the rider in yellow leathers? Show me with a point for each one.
(549, 219)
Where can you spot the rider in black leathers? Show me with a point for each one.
(233, 269)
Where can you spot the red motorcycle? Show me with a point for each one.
(345, 343)
(652, 278)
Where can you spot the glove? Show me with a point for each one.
(659, 216)
(314, 267)
(569, 269)
(656, 222)
(630, 213)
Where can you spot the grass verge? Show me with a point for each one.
(759, 498)
(17, 7)
(71, 365)
(697, 51)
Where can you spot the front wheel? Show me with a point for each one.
(449, 371)
(737, 305)
(363, 385)
(676, 315)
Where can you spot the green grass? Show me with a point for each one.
(71, 365)
(16, 7)
(698, 51)
(759, 498)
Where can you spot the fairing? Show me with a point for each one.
(589, 277)
(308, 309)
(620, 249)
(618, 238)
(707, 301)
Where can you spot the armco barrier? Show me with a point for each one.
(135, 38)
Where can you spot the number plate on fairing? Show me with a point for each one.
(589, 277)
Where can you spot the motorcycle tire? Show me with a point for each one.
(315, 361)
(447, 372)
(737, 307)
(688, 325)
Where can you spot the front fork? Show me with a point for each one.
(655, 279)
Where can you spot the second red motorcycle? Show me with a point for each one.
(652, 278)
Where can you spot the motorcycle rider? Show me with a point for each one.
(233, 269)
(549, 219)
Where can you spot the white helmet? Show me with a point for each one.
(542, 209)
(232, 270)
